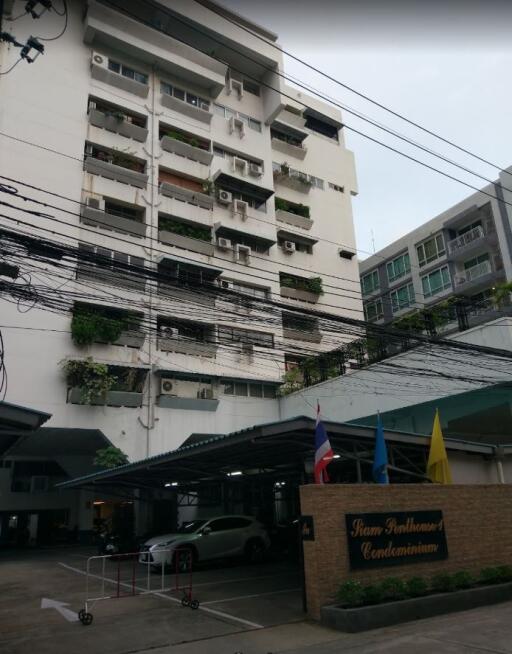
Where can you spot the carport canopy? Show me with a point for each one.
(281, 450)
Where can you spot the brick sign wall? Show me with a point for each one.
(476, 528)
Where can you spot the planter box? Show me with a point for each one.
(185, 108)
(114, 79)
(187, 403)
(383, 615)
(299, 294)
(131, 339)
(122, 127)
(117, 173)
(187, 347)
(287, 148)
(184, 295)
(293, 182)
(187, 243)
(293, 219)
(186, 195)
(300, 335)
(185, 150)
(114, 398)
(98, 218)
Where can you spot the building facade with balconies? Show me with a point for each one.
(447, 270)
(205, 205)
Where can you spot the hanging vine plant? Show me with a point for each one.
(93, 379)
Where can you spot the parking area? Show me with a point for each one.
(42, 591)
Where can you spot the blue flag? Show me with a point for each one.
(380, 462)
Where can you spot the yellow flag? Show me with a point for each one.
(438, 469)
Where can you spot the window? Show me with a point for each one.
(471, 263)
(125, 71)
(321, 127)
(236, 335)
(300, 246)
(185, 96)
(468, 228)
(100, 262)
(398, 267)
(251, 389)
(373, 311)
(335, 187)
(401, 298)
(251, 87)
(300, 323)
(253, 291)
(430, 250)
(436, 281)
(370, 282)
(226, 154)
(225, 112)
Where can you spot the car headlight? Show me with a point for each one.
(165, 544)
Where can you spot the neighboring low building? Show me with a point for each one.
(448, 266)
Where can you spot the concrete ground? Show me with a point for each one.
(248, 609)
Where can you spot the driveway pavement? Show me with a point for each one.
(248, 609)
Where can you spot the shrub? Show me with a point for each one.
(93, 379)
(393, 588)
(463, 579)
(496, 575)
(416, 586)
(110, 457)
(505, 572)
(351, 593)
(90, 325)
(314, 285)
(372, 594)
(443, 583)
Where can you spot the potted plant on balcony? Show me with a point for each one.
(90, 325)
(285, 168)
(314, 285)
(93, 379)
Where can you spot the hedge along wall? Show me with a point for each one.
(477, 522)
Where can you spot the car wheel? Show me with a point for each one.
(254, 551)
(183, 559)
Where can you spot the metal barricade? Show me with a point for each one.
(123, 581)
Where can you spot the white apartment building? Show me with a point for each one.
(188, 181)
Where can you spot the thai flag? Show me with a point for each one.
(323, 451)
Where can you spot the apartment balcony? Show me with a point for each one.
(293, 219)
(174, 159)
(185, 108)
(101, 73)
(186, 195)
(186, 242)
(112, 398)
(104, 220)
(302, 335)
(294, 180)
(186, 392)
(115, 172)
(479, 276)
(118, 125)
(292, 119)
(195, 296)
(131, 338)
(86, 271)
(105, 27)
(191, 283)
(186, 151)
(291, 150)
(469, 243)
(181, 345)
(231, 177)
(299, 294)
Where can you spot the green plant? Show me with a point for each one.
(89, 325)
(495, 575)
(93, 379)
(110, 457)
(442, 583)
(208, 187)
(462, 579)
(291, 207)
(285, 168)
(393, 588)
(351, 593)
(293, 380)
(505, 572)
(314, 285)
(501, 293)
(194, 142)
(416, 586)
(185, 229)
(372, 594)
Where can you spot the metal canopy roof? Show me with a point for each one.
(16, 421)
(237, 185)
(274, 448)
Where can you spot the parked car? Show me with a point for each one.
(206, 540)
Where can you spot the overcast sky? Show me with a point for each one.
(444, 65)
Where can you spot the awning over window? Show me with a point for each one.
(235, 185)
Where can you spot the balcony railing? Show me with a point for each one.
(292, 179)
(186, 195)
(190, 346)
(475, 272)
(186, 150)
(466, 239)
(118, 124)
(118, 173)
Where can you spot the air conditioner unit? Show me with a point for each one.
(240, 207)
(223, 243)
(289, 246)
(204, 106)
(240, 165)
(225, 197)
(167, 387)
(235, 86)
(96, 203)
(205, 394)
(235, 124)
(226, 283)
(243, 253)
(256, 170)
(168, 332)
(98, 59)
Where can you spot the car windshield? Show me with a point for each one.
(191, 526)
